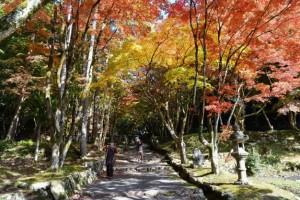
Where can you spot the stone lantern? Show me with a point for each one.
(239, 153)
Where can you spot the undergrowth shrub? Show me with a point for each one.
(3, 145)
(253, 162)
(271, 160)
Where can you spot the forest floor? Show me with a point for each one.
(274, 160)
(18, 168)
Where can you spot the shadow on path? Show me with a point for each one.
(152, 179)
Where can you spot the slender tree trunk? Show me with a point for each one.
(238, 97)
(51, 123)
(268, 121)
(204, 67)
(63, 76)
(90, 123)
(55, 156)
(74, 123)
(14, 124)
(107, 122)
(83, 139)
(100, 135)
(182, 150)
(195, 37)
(38, 138)
(65, 151)
(292, 121)
(182, 145)
(214, 146)
(85, 108)
(170, 127)
(96, 114)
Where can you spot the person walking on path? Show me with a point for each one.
(140, 152)
(110, 159)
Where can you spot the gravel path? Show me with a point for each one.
(152, 179)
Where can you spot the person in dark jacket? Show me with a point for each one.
(110, 159)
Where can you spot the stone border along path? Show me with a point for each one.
(152, 179)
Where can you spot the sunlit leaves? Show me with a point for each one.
(217, 106)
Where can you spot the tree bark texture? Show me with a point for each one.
(88, 80)
(17, 18)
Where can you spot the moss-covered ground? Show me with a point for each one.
(17, 164)
(273, 165)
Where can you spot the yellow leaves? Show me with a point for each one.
(177, 75)
(136, 47)
(182, 77)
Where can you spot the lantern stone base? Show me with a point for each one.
(240, 156)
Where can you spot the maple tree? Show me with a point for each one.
(205, 61)
(104, 21)
(79, 33)
(237, 39)
(161, 77)
(21, 77)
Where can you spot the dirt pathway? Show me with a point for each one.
(152, 179)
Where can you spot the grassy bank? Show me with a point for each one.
(272, 165)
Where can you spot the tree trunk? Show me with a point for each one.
(96, 114)
(14, 124)
(268, 121)
(214, 155)
(292, 120)
(38, 134)
(239, 115)
(55, 156)
(107, 122)
(83, 141)
(74, 123)
(182, 150)
(170, 127)
(214, 145)
(65, 151)
(195, 37)
(51, 122)
(88, 79)
(100, 134)
(89, 128)
(17, 18)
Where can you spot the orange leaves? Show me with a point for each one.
(217, 106)
(10, 5)
(280, 89)
(226, 132)
(40, 49)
